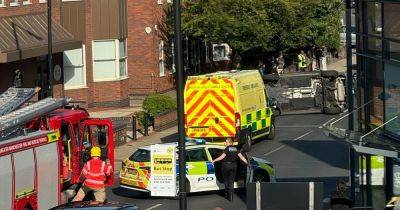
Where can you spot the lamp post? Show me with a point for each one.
(179, 91)
(50, 49)
(350, 99)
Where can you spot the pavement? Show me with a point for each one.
(113, 113)
(300, 152)
(340, 65)
(126, 150)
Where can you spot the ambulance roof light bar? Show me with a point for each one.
(13, 98)
(30, 112)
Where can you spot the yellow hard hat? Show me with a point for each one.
(95, 152)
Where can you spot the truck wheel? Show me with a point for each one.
(332, 110)
(271, 134)
(329, 73)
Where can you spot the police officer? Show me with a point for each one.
(229, 166)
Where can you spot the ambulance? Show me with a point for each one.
(228, 104)
(43, 147)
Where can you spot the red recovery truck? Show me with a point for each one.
(43, 147)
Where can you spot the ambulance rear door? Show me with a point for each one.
(210, 108)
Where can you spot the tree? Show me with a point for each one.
(264, 25)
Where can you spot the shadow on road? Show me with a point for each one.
(129, 193)
(329, 182)
(333, 153)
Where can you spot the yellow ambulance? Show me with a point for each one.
(228, 104)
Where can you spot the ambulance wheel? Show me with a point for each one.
(271, 134)
(246, 141)
(260, 176)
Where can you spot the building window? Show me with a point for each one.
(161, 63)
(42, 1)
(74, 68)
(14, 3)
(394, 50)
(26, 2)
(392, 16)
(374, 19)
(375, 78)
(392, 98)
(1, 3)
(122, 58)
(109, 60)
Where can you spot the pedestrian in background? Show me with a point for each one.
(261, 67)
(17, 79)
(271, 65)
(229, 166)
(339, 200)
(301, 59)
(280, 63)
(319, 53)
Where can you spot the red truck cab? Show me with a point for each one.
(78, 134)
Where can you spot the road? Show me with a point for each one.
(299, 152)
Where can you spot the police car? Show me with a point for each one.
(202, 175)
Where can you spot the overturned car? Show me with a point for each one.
(307, 92)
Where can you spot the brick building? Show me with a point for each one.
(121, 55)
(23, 42)
(124, 53)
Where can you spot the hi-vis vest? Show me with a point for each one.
(302, 60)
(96, 171)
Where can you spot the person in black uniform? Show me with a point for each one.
(229, 166)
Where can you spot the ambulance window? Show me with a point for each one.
(140, 155)
(196, 155)
(215, 152)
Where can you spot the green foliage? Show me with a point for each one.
(155, 104)
(264, 25)
(140, 115)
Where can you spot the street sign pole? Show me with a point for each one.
(179, 91)
(50, 48)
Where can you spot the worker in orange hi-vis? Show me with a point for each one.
(95, 173)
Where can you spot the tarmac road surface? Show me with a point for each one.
(299, 152)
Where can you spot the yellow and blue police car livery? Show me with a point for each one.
(201, 173)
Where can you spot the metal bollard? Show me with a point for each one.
(146, 124)
(134, 128)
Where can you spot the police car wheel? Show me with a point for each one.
(187, 186)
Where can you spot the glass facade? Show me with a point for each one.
(378, 62)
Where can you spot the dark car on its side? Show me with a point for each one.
(96, 206)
